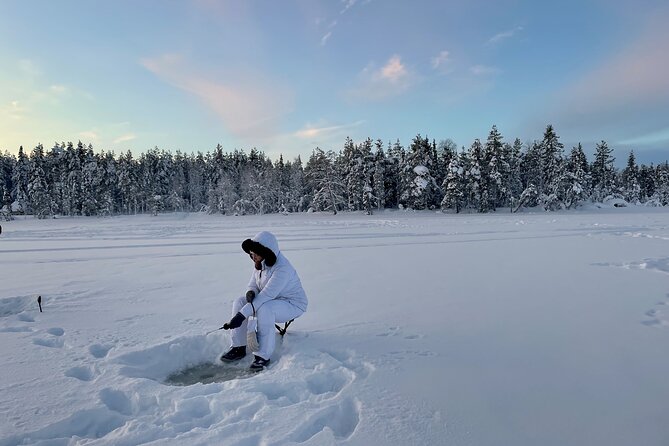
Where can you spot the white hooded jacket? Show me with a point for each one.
(279, 281)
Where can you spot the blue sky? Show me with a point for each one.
(287, 76)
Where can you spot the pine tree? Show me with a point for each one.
(90, 182)
(325, 182)
(54, 167)
(661, 180)
(646, 182)
(446, 150)
(299, 197)
(630, 180)
(369, 199)
(7, 163)
(494, 170)
(379, 177)
(476, 193)
(603, 172)
(577, 178)
(531, 175)
(514, 182)
(420, 189)
(393, 179)
(552, 182)
(37, 188)
(20, 181)
(351, 169)
(453, 186)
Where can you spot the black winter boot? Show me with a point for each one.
(234, 354)
(259, 364)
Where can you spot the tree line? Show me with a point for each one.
(488, 175)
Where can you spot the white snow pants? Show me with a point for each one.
(271, 312)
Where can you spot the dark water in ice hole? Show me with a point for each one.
(207, 373)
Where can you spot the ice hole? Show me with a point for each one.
(207, 373)
(184, 361)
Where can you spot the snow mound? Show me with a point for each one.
(161, 361)
(16, 305)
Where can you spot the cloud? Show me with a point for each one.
(89, 136)
(637, 74)
(321, 134)
(660, 136)
(626, 95)
(504, 35)
(392, 79)
(325, 38)
(348, 4)
(394, 71)
(124, 138)
(13, 110)
(58, 89)
(310, 131)
(247, 106)
(483, 70)
(441, 61)
(29, 67)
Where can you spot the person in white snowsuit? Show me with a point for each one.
(274, 292)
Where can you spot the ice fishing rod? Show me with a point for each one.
(210, 332)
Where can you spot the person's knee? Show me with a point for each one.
(238, 303)
(265, 316)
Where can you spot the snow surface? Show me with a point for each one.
(423, 328)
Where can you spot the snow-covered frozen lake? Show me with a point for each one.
(423, 328)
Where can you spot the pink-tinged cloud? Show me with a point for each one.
(248, 108)
(636, 76)
(393, 71)
(312, 131)
(392, 79)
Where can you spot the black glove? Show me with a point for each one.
(250, 295)
(235, 322)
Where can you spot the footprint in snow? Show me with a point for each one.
(99, 351)
(339, 419)
(657, 317)
(82, 373)
(53, 342)
(56, 331)
(15, 330)
(26, 318)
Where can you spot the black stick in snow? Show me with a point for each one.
(39, 302)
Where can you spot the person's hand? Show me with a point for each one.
(235, 322)
(250, 295)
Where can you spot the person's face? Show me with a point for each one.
(255, 257)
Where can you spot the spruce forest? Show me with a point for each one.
(487, 176)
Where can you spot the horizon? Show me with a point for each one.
(287, 78)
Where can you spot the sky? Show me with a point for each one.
(289, 76)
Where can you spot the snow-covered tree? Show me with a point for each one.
(379, 176)
(21, 180)
(603, 172)
(630, 180)
(495, 170)
(514, 181)
(476, 193)
(393, 179)
(454, 186)
(323, 178)
(38, 193)
(420, 188)
(576, 178)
